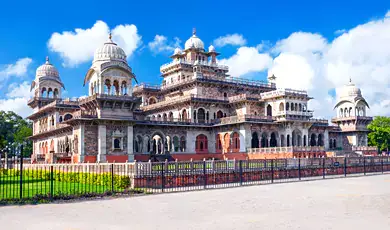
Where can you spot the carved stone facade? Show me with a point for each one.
(198, 111)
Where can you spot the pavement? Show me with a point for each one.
(352, 203)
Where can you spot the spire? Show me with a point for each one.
(194, 31)
(47, 60)
(110, 36)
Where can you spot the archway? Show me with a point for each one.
(184, 115)
(218, 143)
(288, 140)
(236, 142)
(255, 140)
(320, 141)
(273, 141)
(226, 142)
(201, 115)
(281, 106)
(264, 140)
(183, 143)
(158, 144)
(313, 138)
(269, 110)
(176, 145)
(201, 145)
(219, 114)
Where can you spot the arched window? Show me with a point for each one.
(117, 143)
(170, 116)
(219, 114)
(320, 141)
(281, 106)
(287, 106)
(67, 117)
(288, 140)
(43, 92)
(334, 143)
(107, 86)
(164, 117)
(60, 120)
(269, 110)
(55, 93)
(152, 101)
(341, 112)
(292, 106)
(236, 142)
(201, 144)
(201, 115)
(264, 140)
(182, 144)
(273, 142)
(313, 141)
(52, 120)
(255, 140)
(176, 146)
(184, 115)
(225, 95)
(300, 107)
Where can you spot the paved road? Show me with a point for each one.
(354, 203)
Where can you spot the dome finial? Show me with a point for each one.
(110, 36)
(194, 31)
(47, 60)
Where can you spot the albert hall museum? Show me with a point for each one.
(197, 112)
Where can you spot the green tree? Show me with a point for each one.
(380, 132)
(15, 130)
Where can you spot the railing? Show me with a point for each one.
(364, 148)
(299, 113)
(283, 92)
(108, 97)
(242, 118)
(183, 99)
(351, 118)
(203, 63)
(289, 149)
(84, 114)
(243, 97)
(48, 182)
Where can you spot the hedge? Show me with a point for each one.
(103, 179)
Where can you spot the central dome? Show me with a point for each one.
(109, 51)
(47, 70)
(194, 42)
(350, 90)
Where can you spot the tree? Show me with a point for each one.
(15, 130)
(380, 132)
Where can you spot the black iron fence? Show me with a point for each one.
(20, 181)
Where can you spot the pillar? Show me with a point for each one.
(81, 148)
(102, 151)
(130, 137)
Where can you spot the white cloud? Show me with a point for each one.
(160, 44)
(19, 69)
(230, 39)
(308, 61)
(387, 14)
(338, 32)
(78, 47)
(17, 98)
(247, 60)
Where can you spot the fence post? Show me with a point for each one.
(21, 172)
(364, 165)
(345, 167)
(272, 171)
(204, 174)
(162, 177)
(323, 168)
(51, 181)
(299, 168)
(382, 163)
(112, 178)
(240, 171)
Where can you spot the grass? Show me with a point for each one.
(10, 187)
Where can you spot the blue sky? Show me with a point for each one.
(28, 26)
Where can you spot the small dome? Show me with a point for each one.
(47, 70)
(109, 51)
(350, 90)
(211, 48)
(177, 51)
(194, 42)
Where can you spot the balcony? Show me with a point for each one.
(289, 149)
(337, 119)
(185, 62)
(242, 118)
(283, 92)
(295, 113)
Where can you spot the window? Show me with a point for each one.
(67, 117)
(201, 143)
(236, 142)
(117, 143)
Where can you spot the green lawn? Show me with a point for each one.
(10, 187)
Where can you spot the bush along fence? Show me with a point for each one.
(20, 181)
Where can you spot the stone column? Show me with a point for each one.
(245, 138)
(326, 139)
(102, 131)
(81, 148)
(130, 137)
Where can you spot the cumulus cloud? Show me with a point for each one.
(17, 98)
(161, 44)
(230, 39)
(78, 46)
(309, 61)
(247, 60)
(18, 69)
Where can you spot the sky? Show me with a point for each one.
(311, 45)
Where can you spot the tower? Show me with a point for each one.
(351, 117)
(47, 85)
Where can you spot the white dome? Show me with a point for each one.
(109, 51)
(177, 51)
(350, 90)
(194, 42)
(211, 48)
(47, 70)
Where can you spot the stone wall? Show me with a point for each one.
(91, 140)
